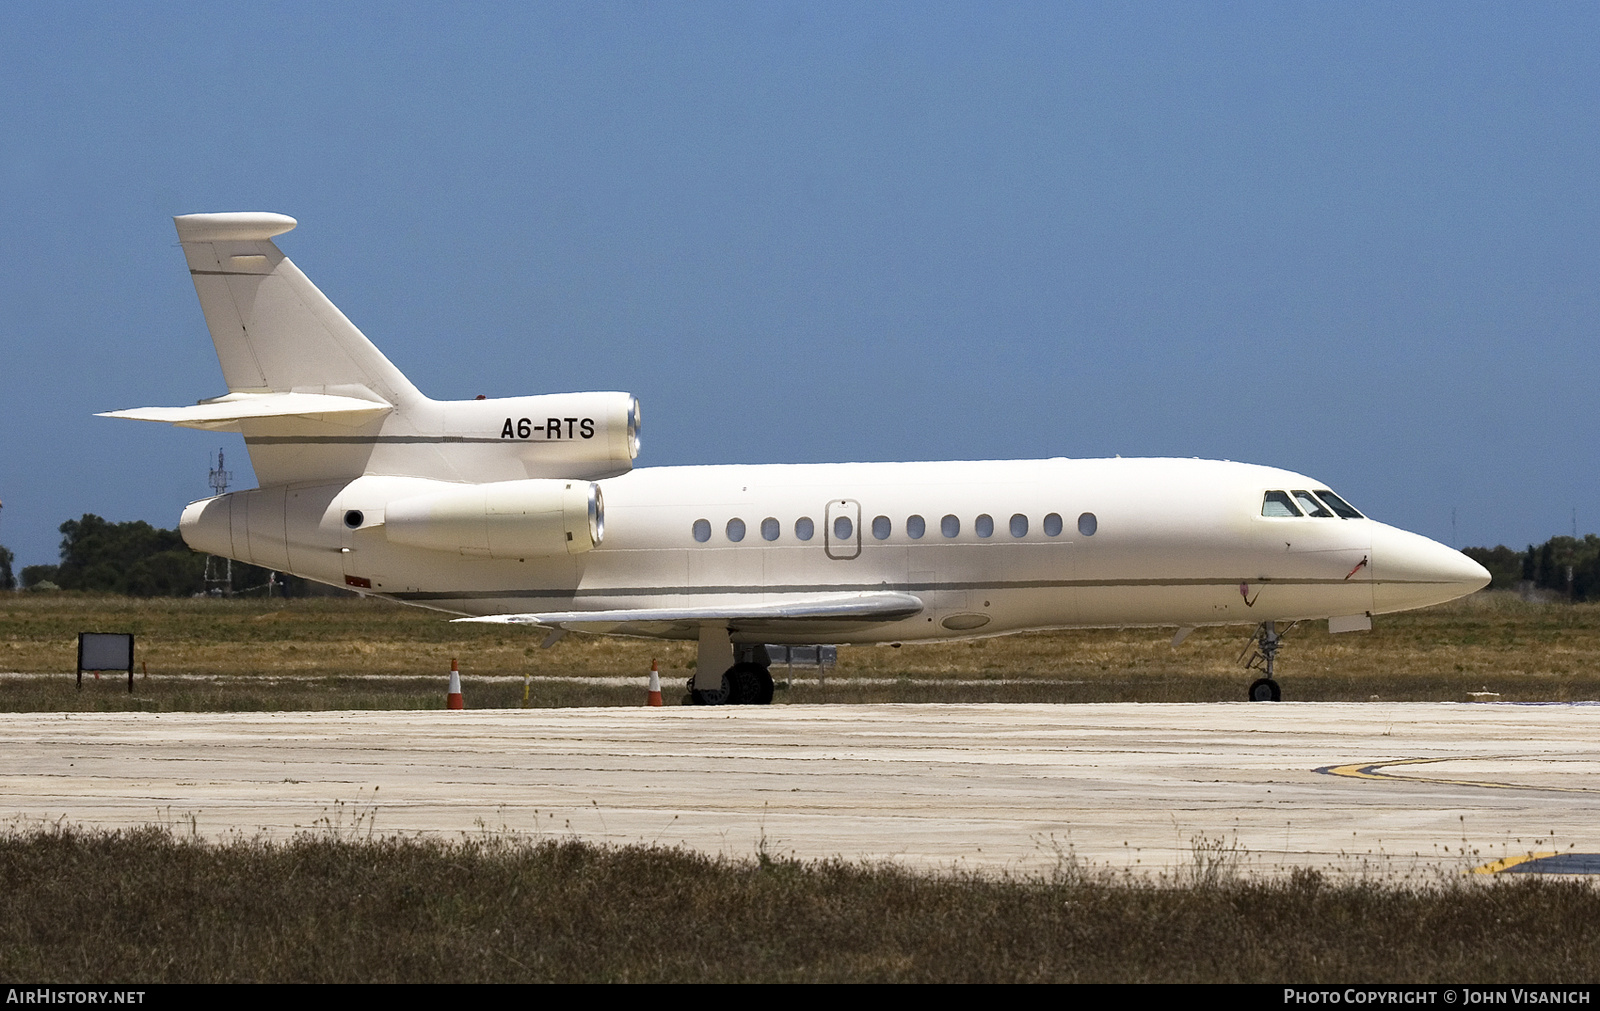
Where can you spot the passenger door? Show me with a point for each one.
(841, 534)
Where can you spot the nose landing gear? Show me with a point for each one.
(1262, 649)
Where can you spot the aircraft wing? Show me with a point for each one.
(801, 612)
(226, 413)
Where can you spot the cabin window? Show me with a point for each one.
(843, 529)
(736, 530)
(1052, 525)
(949, 526)
(916, 526)
(1276, 503)
(1087, 524)
(984, 526)
(769, 529)
(1310, 505)
(702, 530)
(1338, 505)
(1019, 525)
(880, 527)
(804, 528)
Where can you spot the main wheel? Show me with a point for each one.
(1265, 690)
(751, 684)
(712, 696)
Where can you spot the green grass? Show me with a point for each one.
(333, 653)
(149, 906)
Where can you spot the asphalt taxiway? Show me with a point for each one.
(1392, 790)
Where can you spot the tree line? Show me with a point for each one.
(140, 560)
(1569, 566)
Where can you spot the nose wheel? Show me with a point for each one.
(1262, 649)
(1265, 690)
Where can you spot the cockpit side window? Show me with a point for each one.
(1338, 505)
(1277, 503)
(1312, 507)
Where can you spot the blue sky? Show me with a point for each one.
(1358, 241)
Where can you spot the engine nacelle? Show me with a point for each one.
(324, 532)
(505, 519)
(555, 435)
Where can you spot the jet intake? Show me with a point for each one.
(504, 519)
(207, 526)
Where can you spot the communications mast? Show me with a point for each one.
(219, 577)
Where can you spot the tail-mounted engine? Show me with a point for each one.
(505, 519)
(570, 435)
(319, 530)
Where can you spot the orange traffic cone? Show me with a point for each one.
(452, 700)
(653, 696)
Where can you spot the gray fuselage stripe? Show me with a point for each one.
(694, 591)
(389, 440)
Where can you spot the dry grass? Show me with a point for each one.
(327, 653)
(150, 906)
(147, 906)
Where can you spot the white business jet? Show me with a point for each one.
(527, 510)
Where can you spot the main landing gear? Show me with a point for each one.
(743, 684)
(747, 683)
(1263, 648)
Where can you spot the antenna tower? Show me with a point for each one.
(219, 477)
(219, 577)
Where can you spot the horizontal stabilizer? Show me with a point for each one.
(226, 413)
(882, 605)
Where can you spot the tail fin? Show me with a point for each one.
(274, 331)
(317, 402)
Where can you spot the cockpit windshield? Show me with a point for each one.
(1277, 503)
(1338, 505)
(1299, 503)
(1312, 507)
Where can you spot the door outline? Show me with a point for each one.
(849, 509)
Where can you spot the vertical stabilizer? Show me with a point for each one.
(274, 331)
(317, 403)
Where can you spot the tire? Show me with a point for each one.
(751, 684)
(712, 697)
(1265, 690)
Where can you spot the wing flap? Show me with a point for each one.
(877, 605)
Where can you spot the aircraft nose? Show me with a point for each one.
(1409, 570)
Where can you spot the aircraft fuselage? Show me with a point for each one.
(999, 546)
